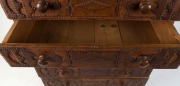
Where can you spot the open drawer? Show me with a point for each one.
(92, 43)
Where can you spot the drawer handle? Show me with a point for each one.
(143, 62)
(42, 61)
(42, 6)
(145, 6)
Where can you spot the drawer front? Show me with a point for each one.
(91, 73)
(94, 8)
(135, 9)
(95, 82)
(149, 9)
(34, 9)
(91, 57)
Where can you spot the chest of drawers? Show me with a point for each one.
(92, 42)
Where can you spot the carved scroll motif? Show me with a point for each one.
(17, 7)
(18, 57)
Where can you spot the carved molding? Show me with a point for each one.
(95, 82)
(91, 72)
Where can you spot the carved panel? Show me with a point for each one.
(93, 8)
(91, 73)
(95, 82)
(93, 58)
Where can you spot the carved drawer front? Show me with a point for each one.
(35, 9)
(91, 73)
(95, 82)
(93, 8)
(126, 58)
(135, 9)
(150, 9)
(92, 58)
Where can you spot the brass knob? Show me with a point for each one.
(42, 61)
(145, 6)
(42, 6)
(143, 62)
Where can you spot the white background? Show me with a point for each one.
(28, 77)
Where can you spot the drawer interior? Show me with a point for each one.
(92, 32)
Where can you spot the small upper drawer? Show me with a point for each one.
(139, 9)
(149, 9)
(35, 9)
(94, 8)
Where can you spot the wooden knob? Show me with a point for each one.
(143, 62)
(145, 6)
(42, 61)
(42, 6)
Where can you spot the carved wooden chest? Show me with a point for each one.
(69, 44)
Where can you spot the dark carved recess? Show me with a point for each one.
(162, 10)
(95, 82)
(91, 72)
